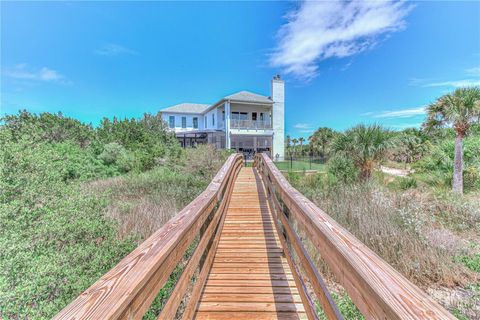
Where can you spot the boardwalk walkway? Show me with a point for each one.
(250, 277)
(247, 269)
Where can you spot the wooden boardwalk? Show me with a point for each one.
(250, 277)
(247, 268)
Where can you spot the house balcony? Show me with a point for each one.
(251, 124)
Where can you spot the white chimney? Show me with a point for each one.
(278, 117)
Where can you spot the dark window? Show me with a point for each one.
(195, 122)
(205, 122)
(184, 122)
(254, 116)
(261, 116)
(223, 115)
(213, 119)
(171, 121)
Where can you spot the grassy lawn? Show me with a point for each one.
(300, 165)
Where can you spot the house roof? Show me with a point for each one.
(247, 96)
(187, 108)
(242, 96)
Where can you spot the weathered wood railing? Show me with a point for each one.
(378, 290)
(127, 290)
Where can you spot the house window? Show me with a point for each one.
(184, 122)
(195, 122)
(223, 115)
(213, 119)
(239, 115)
(205, 122)
(254, 116)
(261, 116)
(171, 121)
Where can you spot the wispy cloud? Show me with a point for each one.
(303, 127)
(324, 29)
(455, 83)
(402, 113)
(471, 78)
(475, 71)
(112, 49)
(23, 72)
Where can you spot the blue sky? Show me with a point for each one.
(343, 63)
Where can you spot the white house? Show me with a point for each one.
(244, 121)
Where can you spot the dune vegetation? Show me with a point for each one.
(75, 199)
(406, 195)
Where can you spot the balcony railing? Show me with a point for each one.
(250, 124)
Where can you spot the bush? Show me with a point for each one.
(437, 166)
(112, 153)
(343, 169)
(54, 239)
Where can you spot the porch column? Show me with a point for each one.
(227, 125)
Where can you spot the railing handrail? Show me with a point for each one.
(128, 289)
(250, 124)
(376, 288)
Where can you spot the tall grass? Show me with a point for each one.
(143, 203)
(397, 226)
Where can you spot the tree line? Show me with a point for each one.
(359, 150)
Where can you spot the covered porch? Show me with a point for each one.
(193, 138)
(251, 144)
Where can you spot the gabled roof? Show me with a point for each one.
(195, 108)
(247, 96)
(187, 108)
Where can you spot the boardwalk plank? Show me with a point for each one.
(250, 277)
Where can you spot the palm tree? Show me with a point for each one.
(410, 146)
(288, 143)
(365, 145)
(301, 140)
(321, 138)
(294, 141)
(459, 109)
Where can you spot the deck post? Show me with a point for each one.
(227, 125)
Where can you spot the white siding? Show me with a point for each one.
(178, 121)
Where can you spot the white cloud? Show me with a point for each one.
(112, 49)
(455, 83)
(324, 29)
(471, 78)
(402, 113)
(302, 126)
(22, 72)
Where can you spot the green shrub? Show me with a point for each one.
(437, 167)
(343, 169)
(112, 153)
(55, 238)
(472, 262)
